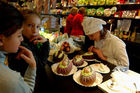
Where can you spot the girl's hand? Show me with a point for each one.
(98, 52)
(27, 55)
(38, 39)
(90, 48)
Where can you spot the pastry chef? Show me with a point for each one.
(107, 46)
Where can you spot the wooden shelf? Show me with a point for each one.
(111, 17)
(104, 17)
(57, 15)
(123, 6)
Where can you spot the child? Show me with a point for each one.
(10, 39)
(68, 26)
(77, 28)
(37, 44)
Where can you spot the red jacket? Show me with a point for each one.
(68, 26)
(77, 28)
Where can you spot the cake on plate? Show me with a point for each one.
(78, 60)
(58, 56)
(87, 76)
(88, 55)
(64, 67)
(65, 46)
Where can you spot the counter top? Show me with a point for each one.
(66, 84)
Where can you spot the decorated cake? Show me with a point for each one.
(64, 67)
(88, 55)
(65, 46)
(78, 60)
(87, 76)
(58, 56)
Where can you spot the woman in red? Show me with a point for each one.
(68, 26)
(77, 28)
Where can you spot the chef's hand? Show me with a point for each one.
(90, 49)
(27, 55)
(98, 52)
(38, 39)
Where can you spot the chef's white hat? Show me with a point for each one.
(92, 25)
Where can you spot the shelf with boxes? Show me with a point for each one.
(118, 12)
(126, 11)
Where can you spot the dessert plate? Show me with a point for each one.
(54, 68)
(101, 68)
(76, 78)
(92, 60)
(113, 87)
(84, 64)
(50, 59)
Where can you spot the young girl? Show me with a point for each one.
(10, 39)
(68, 26)
(77, 28)
(37, 44)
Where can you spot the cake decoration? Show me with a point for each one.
(78, 60)
(87, 76)
(64, 67)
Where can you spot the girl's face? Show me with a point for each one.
(95, 36)
(11, 44)
(31, 26)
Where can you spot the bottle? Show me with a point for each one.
(133, 36)
(121, 35)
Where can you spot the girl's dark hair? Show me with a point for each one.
(10, 19)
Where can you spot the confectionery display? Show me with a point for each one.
(87, 76)
(121, 16)
(88, 55)
(65, 46)
(64, 67)
(58, 56)
(78, 60)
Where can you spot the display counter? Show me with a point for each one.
(66, 84)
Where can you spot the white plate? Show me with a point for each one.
(105, 86)
(92, 60)
(115, 88)
(54, 67)
(97, 68)
(50, 59)
(99, 79)
(84, 64)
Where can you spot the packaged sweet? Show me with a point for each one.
(109, 2)
(118, 14)
(68, 46)
(113, 10)
(101, 2)
(91, 12)
(107, 12)
(100, 11)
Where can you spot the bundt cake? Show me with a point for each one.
(64, 67)
(58, 56)
(78, 60)
(88, 55)
(87, 76)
